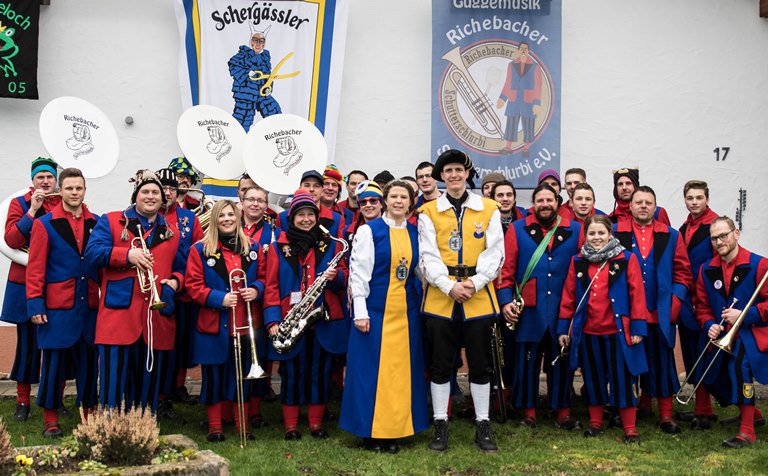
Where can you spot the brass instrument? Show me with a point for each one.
(497, 385)
(518, 306)
(203, 211)
(235, 276)
(147, 279)
(304, 313)
(476, 100)
(52, 194)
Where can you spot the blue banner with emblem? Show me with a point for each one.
(19, 27)
(496, 70)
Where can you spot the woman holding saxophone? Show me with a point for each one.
(209, 282)
(304, 271)
(385, 394)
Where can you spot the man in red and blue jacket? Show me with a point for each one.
(62, 299)
(667, 277)
(22, 212)
(130, 335)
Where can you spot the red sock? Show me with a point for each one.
(596, 416)
(629, 420)
(238, 423)
(758, 413)
(748, 421)
(227, 411)
(703, 405)
(181, 378)
(529, 413)
(563, 414)
(315, 415)
(646, 402)
(254, 406)
(22, 392)
(291, 416)
(214, 417)
(665, 408)
(50, 419)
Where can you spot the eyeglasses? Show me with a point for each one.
(259, 41)
(722, 237)
(168, 188)
(423, 176)
(368, 201)
(260, 201)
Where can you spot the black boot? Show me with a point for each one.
(484, 437)
(440, 439)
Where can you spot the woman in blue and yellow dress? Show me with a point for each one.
(385, 391)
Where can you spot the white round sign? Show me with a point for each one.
(212, 140)
(78, 134)
(280, 148)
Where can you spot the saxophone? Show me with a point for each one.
(304, 313)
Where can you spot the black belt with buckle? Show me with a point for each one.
(462, 271)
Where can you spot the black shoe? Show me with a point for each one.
(593, 431)
(700, 423)
(737, 442)
(643, 412)
(372, 444)
(215, 437)
(328, 416)
(165, 411)
(484, 437)
(390, 446)
(440, 439)
(685, 416)
(615, 421)
(22, 412)
(528, 422)
(257, 421)
(292, 435)
(670, 427)
(760, 421)
(249, 436)
(181, 395)
(64, 412)
(319, 433)
(568, 424)
(52, 430)
(631, 439)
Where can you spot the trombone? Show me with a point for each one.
(236, 276)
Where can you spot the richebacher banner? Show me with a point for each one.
(19, 27)
(257, 58)
(496, 84)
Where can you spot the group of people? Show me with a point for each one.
(125, 303)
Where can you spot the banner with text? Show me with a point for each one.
(496, 84)
(258, 58)
(19, 27)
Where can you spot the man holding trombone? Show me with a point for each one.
(142, 265)
(734, 274)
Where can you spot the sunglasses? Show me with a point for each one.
(368, 201)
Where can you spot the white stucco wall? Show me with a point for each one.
(658, 83)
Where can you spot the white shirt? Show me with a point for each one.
(361, 266)
(488, 262)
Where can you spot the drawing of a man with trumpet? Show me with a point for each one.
(522, 95)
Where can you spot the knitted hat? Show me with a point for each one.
(333, 173)
(181, 166)
(550, 173)
(383, 177)
(313, 174)
(368, 189)
(454, 156)
(145, 177)
(168, 177)
(632, 174)
(301, 199)
(43, 164)
(492, 177)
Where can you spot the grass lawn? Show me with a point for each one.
(543, 450)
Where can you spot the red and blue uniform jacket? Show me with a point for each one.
(625, 300)
(18, 228)
(715, 291)
(695, 233)
(207, 282)
(349, 213)
(60, 284)
(332, 221)
(122, 316)
(666, 274)
(544, 288)
(185, 223)
(287, 273)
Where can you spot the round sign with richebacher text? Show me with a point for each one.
(280, 148)
(212, 140)
(78, 134)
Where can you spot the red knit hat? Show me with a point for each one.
(301, 199)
